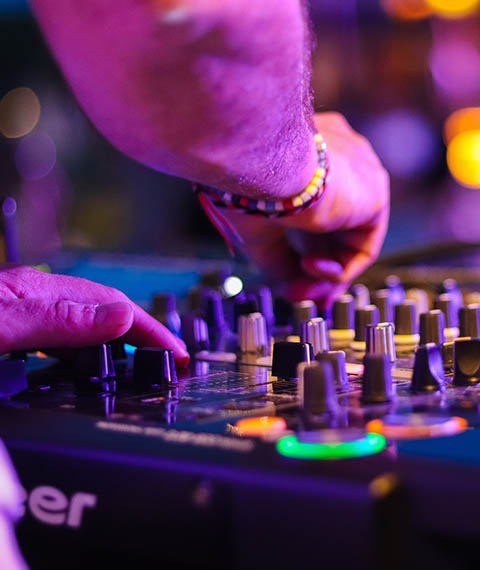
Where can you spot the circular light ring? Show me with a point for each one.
(398, 428)
(259, 426)
(290, 446)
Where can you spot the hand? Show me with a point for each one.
(40, 310)
(321, 250)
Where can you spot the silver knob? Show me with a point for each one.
(314, 331)
(252, 334)
(379, 340)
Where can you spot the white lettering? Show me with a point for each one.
(48, 505)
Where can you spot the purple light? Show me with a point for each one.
(455, 66)
(404, 140)
(35, 156)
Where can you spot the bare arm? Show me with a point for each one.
(214, 91)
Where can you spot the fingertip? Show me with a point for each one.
(116, 316)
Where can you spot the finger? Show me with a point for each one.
(35, 323)
(144, 331)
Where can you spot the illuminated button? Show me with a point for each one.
(416, 426)
(260, 426)
(330, 444)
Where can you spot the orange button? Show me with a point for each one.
(260, 426)
(418, 429)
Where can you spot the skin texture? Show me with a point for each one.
(217, 92)
(40, 310)
(321, 250)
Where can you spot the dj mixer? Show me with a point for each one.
(295, 439)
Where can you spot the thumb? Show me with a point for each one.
(36, 323)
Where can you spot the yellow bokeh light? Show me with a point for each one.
(463, 158)
(19, 112)
(467, 119)
(453, 8)
(406, 9)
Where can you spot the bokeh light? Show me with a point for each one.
(460, 121)
(19, 112)
(406, 9)
(35, 156)
(463, 158)
(404, 140)
(453, 8)
(455, 67)
(232, 286)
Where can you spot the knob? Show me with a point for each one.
(432, 327)
(252, 334)
(316, 388)
(381, 299)
(363, 317)
(469, 317)
(450, 286)
(303, 311)
(214, 314)
(338, 361)
(379, 340)
(265, 305)
(287, 356)
(466, 362)
(406, 318)
(394, 285)
(13, 377)
(343, 313)
(420, 296)
(195, 332)
(428, 373)
(445, 302)
(314, 331)
(154, 367)
(283, 310)
(361, 295)
(164, 309)
(94, 364)
(117, 350)
(377, 384)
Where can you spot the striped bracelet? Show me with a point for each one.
(276, 208)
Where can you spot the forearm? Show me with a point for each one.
(214, 91)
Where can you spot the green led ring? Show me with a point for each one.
(289, 446)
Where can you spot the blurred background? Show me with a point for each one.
(406, 73)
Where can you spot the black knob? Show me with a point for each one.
(317, 388)
(195, 298)
(154, 367)
(343, 313)
(406, 318)
(469, 317)
(377, 384)
(363, 317)
(395, 287)
(13, 377)
(117, 349)
(445, 302)
(467, 362)
(432, 327)
(94, 364)
(382, 300)
(287, 356)
(428, 372)
(195, 332)
(283, 310)
(164, 309)
(338, 361)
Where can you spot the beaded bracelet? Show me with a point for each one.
(275, 208)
